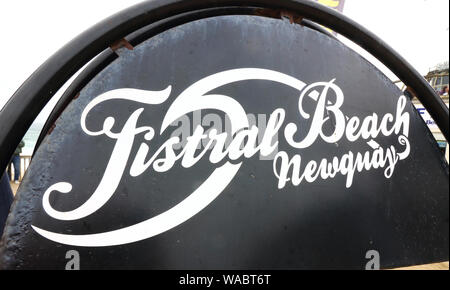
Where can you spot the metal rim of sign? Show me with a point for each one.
(28, 101)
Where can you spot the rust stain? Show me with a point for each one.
(273, 13)
(121, 43)
(293, 18)
(51, 129)
(411, 91)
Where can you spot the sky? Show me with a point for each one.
(32, 31)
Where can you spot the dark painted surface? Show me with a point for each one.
(6, 199)
(251, 224)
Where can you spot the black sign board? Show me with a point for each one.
(234, 142)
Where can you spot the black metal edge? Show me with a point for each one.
(315, 26)
(136, 38)
(95, 67)
(21, 110)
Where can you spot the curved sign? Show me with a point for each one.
(235, 142)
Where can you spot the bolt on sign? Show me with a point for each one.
(231, 142)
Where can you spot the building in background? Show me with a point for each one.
(438, 78)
